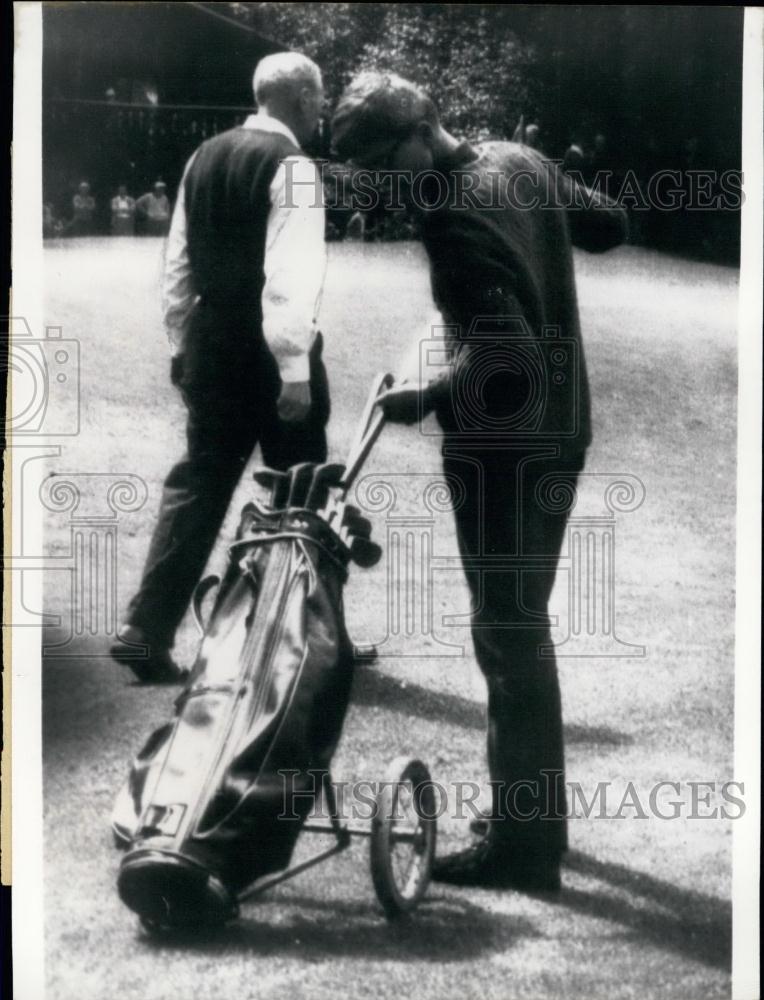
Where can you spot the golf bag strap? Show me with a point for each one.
(200, 592)
(268, 536)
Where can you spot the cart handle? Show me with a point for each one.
(369, 428)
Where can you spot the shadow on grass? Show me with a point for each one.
(451, 929)
(374, 688)
(94, 714)
(94, 688)
(447, 930)
(688, 922)
(82, 709)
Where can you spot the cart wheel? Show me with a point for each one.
(403, 832)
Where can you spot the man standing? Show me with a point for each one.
(153, 209)
(243, 275)
(514, 408)
(83, 211)
(122, 213)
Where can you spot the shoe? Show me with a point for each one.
(149, 662)
(366, 653)
(489, 866)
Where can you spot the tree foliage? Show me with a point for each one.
(656, 82)
(433, 44)
(436, 45)
(332, 34)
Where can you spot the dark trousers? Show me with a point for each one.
(231, 408)
(510, 528)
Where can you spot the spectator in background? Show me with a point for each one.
(319, 147)
(153, 209)
(51, 226)
(533, 136)
(83, 211)
(528, 135)
(47, 219)
(122, 213)
(598, 161)
(574, 160)
(338, 195)
(599, 157)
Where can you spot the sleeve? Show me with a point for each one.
(295, 266)
(597, 223)
(486, 276)
(473, 275)
(427, 349)
(178, 293)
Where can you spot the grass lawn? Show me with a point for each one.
(645, 909)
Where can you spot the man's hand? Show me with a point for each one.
(294, 402)
(405, 403)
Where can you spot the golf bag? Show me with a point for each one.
(216, 798)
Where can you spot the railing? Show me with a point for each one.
(108, 143)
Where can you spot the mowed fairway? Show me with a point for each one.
(645, 908)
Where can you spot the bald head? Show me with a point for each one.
(282, 76)
(532, 135)
(288, 86)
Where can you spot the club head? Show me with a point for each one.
(300, 477)
(277, 483)
(324, 478)
(365, 553)
(356, 524)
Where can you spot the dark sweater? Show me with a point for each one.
(227, 191)
(504, 276)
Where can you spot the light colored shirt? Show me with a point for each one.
(295, 262)
(154, 206)
(84, 206)
(123, 208)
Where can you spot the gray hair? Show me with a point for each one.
(282, 76)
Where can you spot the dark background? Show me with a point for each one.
(662, 84)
